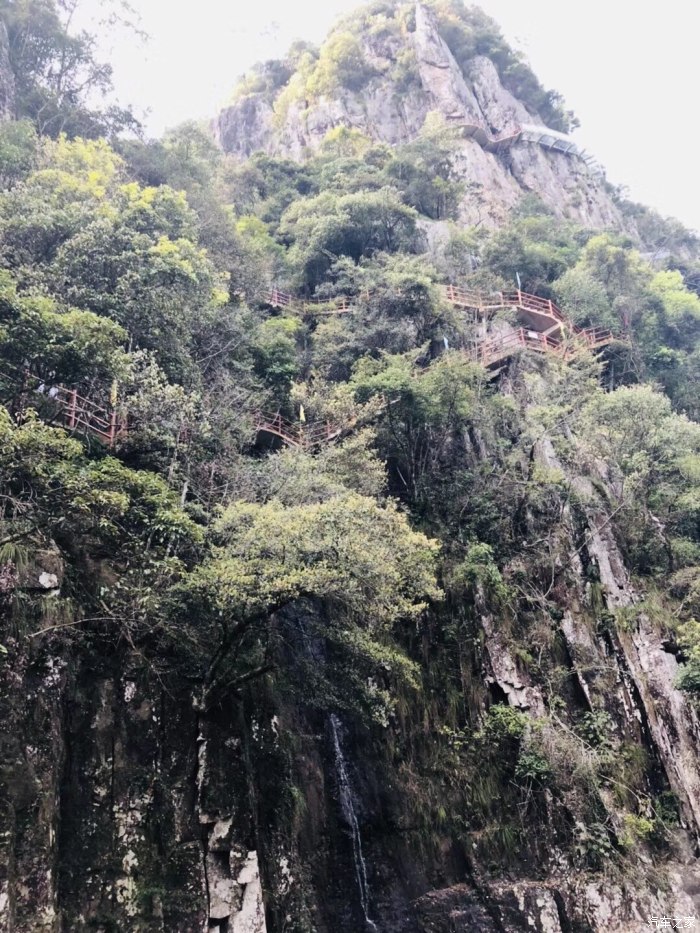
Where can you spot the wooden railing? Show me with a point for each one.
(493, 350)
(454, 294)
(82, 415)
(279, 299)
(554, 320)
(295, 434)
(487, 353)
(106, 423)
(594, 337)
(500, 301)
(65, 406)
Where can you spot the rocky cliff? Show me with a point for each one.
(226, 705)
(127, 808)
(393, 109)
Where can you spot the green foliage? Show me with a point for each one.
(502, 724)
(689, 637)
(362, 558)
(357, 561)
(57, 75)
(596, 727)
(341, 64)
(654, 453)
(264, 78)
(275, 350)
(308, 581)
(637, 829)
(424, 173)
(51, 488)
(479, 571)
(537, 248)
(57, 345)
(593, 844)
(584, 299)
(533, 769)
(421, 414)
(322, 228)
(19, 145)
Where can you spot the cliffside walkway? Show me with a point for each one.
(295, 434)
(62, 405)
(542, 136)
(540, 315)
(546, 330)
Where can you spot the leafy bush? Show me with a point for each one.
(341, 64)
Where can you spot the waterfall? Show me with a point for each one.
(347, 807)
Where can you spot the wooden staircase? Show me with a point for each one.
(296, 434)
(545, 331)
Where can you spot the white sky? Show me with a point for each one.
(628, 68)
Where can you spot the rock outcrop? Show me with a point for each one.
(385, 113)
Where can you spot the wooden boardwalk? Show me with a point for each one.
(540, 316)
(545, 330)
(65, 406)
(295, 434)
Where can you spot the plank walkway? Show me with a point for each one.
(65, 406)
(546, 330)
(540, 315)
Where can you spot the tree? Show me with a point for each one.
(58, 345)
(19, 145)
(51, 490)
(341, 64)
(56, 73)
(653, 456)
(325, 227)
(424, 412)
(537, 248)
(584, 299)
(359, 562)
(423, 171)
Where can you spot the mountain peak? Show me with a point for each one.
(392, 68)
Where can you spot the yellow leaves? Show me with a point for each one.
(362, 557)
(280, 326)
(219, 297)
(252, 226)
(179, 255)
(343, 141)
(149, 197)
(91, 163)
(677, 300)
(109, 502)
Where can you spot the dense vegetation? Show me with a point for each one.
(137, 271)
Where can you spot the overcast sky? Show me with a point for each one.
(628, 68)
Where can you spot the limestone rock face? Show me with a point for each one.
(443, 83)
(390, 114)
